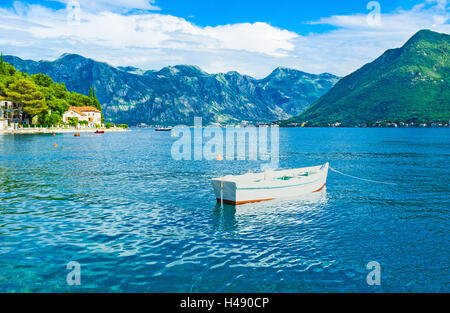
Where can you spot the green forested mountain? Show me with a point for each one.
(176, 94)
(40, 96)
(409, 84)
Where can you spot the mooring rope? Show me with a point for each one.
(363, 179)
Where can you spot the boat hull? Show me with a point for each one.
(237, 193)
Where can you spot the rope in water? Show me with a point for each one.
(363, 179)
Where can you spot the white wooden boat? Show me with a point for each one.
(251, 188)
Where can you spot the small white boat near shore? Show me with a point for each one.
(251, 188)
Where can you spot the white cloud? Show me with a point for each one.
(150, 40)
(152, 31)
(355, 42)
(113, 5)
(441, 4)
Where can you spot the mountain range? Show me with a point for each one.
(174, 95)
(410, 84)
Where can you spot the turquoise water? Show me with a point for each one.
(138, 221)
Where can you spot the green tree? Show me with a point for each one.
(9, 71)
(25, 92)
(58, 105)
(59, 90)
(76, 99)
(73, 121)
(51, 119)
(94, 101)
(42, 80)
(47, 93)
(39, 94)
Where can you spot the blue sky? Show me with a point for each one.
(252, 36)
(288, 14)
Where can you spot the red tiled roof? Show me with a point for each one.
(82, 110)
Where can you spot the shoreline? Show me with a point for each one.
(31, 131)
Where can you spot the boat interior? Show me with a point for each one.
(274, 176)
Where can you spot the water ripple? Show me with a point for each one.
(138, 221)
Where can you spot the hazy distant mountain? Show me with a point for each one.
(176, 94)
(409, 84)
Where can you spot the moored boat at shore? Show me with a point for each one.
(251, 188)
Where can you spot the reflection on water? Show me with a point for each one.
(138, 221)
(227, 218)
(224, 218)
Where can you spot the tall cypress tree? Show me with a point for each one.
(90, 92)
(93, 92)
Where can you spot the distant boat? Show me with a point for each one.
(99, 132)
(162, 129)
(251, 188)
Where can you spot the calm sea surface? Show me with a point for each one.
(138, 221)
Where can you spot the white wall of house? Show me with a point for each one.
(70, 114)
(6, 105)
(6, 118)
(94, 118)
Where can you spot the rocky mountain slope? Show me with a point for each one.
(174, 95)
(408, 84)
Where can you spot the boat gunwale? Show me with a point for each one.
(287, 171)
